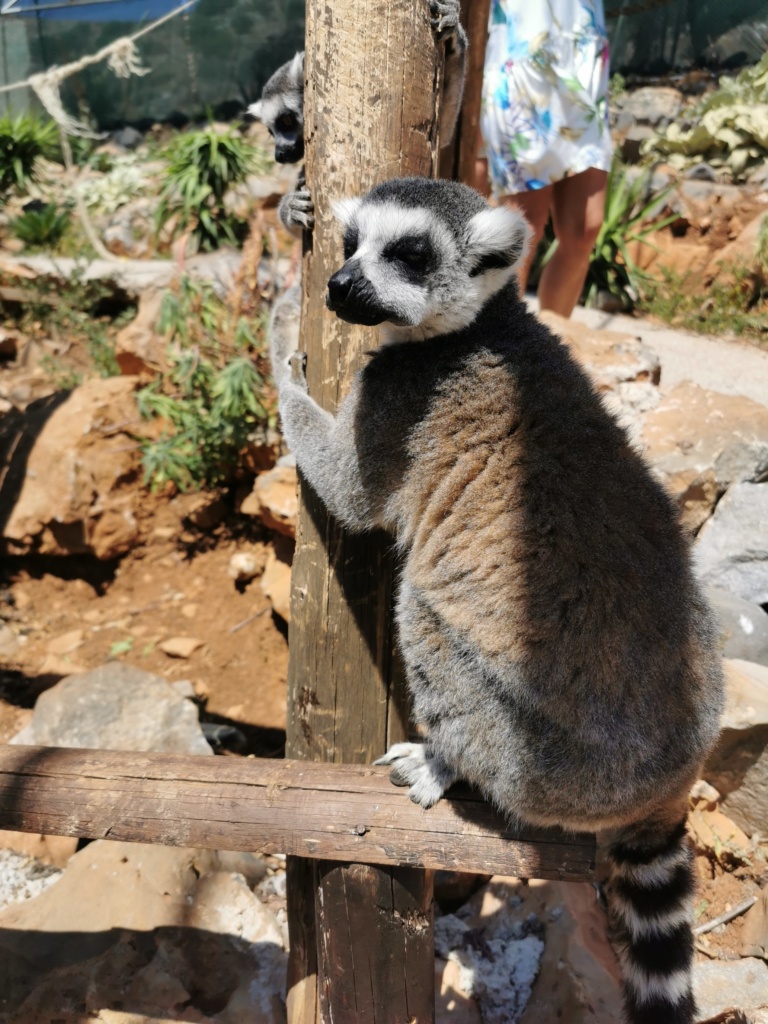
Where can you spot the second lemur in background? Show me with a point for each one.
(281, 109)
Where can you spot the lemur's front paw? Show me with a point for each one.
(297, 211)
(445, 16)
(417, 766)
(298, 362)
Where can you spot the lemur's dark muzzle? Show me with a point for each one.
(351, 297)
(289, 152)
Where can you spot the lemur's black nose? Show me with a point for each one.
(339, 287)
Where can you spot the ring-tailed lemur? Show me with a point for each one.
(558, 650)
(281, 109)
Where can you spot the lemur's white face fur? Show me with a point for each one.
(281, 109)
(422, 273)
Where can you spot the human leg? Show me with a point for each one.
(534, 205)
(578, 204)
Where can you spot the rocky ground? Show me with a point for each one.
(159, 621)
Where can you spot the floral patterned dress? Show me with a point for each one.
(545, 92)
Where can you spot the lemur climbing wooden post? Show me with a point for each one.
(361, 936)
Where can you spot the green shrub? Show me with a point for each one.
(211, 396)
(23, 140)
(202, 167)
(41, 227)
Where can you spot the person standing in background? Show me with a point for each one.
(544, 123)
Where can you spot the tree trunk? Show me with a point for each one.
(373, 77)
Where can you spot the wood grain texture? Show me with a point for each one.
(373, 73)
(322, 811)
(457, 160)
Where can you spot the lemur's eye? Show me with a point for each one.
(286, 122)
(414, 251)
(351, 242)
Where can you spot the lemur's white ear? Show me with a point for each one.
(255, 110)
(297, 69)
(497, 238)
(345, 209)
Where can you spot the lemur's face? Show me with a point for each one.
(284, 119)
(405, 266)
(281, 109)
(394, 257)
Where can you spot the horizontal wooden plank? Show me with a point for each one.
(330, 811)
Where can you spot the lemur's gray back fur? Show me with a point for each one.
(558, 649)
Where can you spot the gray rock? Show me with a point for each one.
(719, 985)
(701, 172)
(738, 767)
(743, 625)
(115, 707)
(653, 105)
(633, 141)
(731, 550)
(709, 191)
(127, 137)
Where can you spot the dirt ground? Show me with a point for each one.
(76, 613)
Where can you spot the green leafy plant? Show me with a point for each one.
(630, 211)
(85, 315)
(736, 303)
(202, 166)
(43, 227)
(106, 193)
(212, 395)
(23, 141)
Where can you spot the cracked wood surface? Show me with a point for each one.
(328, 812)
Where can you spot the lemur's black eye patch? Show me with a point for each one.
(414, 252)
(286, 122)
(351, 242)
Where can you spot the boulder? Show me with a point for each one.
(731, 551)
(577, 979)
(652, 105)
(138, 348)
(149, 932)
(738, 767)
(609, 357)
(275, 582)
(739, 252)
(754, 934)
(743, 626)
(76, 494)
(274, 499)
(115, 707)
(718, 985)
(700, 442)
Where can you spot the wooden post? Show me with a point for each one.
(458, 160)
(373, 75)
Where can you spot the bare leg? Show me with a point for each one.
(534, 205)
(578, 204)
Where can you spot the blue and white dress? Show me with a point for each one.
(545, 92)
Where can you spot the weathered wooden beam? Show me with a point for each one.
(458, 160)
(373, 76)
(332, 812)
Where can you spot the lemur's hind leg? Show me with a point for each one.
(418, 766)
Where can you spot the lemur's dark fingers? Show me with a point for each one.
(298, 362)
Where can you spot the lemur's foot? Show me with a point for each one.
(416, 765)
(445, 16)
(298, 363)
(297, 211)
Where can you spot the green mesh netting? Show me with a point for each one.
(653, 37)
(217, 57)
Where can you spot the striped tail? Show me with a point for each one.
(649, 893)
